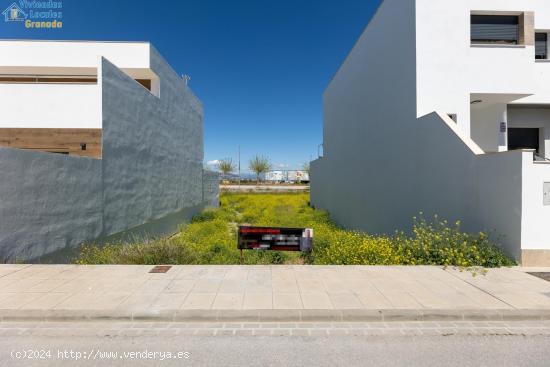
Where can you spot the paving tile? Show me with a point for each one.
(180, 286)
(228, 301)
(337, 286)
(236, 273)
(258, 301)
(22, 285)
(258, 287)
(137, 301)
(232, 286)
(206, 286)
(46, 302)
(77, 285)
(265, 287)
(4, 282)
(10, 301)
(47, 285)
(374, 300)
(342, 301)
(316, 301)
(401, 299)
(154, 285)
(291, 301)
(92, 301)
(7, 269)
(198, 301)
(285, 286)
(311, 285)
(191, 273)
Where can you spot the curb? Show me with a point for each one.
(349, 315)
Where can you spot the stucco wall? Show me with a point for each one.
(452, 178)
(449, 69)
(152, 149)
(485, 126)
(47, 202)
(149, 180)
(535, 216)
(498, 198)
(388, 156)
(50, 106)
(364, 105)
(211, 188)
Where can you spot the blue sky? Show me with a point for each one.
(260, 67)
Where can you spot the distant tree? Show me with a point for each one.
(259, 165)
(226, 166)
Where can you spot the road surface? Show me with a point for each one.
(248, 344)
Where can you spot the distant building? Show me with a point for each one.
(287, 176)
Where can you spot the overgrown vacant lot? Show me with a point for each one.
(211, 238)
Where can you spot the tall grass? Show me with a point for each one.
(211, 238)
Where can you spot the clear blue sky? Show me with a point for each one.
(260, 67)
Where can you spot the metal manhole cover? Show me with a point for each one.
(160, 269)
(545, 276)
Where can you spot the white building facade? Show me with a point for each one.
(292, 176)
(96, 139)
(444, 108)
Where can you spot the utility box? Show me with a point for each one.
(546, 194)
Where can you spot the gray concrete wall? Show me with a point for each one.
(152, 149)
(211, 188)
(47, 202)
(149, 180)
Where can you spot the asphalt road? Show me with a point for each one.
(333, 350)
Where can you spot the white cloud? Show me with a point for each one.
(214, 162)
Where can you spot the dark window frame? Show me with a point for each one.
(541, 45)
(495, 29)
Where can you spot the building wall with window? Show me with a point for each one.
(388, 130)
(450, 67)
(147, 179)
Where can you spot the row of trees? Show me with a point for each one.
(258, 164)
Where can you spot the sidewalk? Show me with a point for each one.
(269, 293)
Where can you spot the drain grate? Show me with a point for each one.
(160, 269)
(545, 276)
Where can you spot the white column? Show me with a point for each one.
(503, 130)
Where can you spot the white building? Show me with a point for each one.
(130, 134)
(438, 108)
(287, 176)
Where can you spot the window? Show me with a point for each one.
(523, 138)
(40, 79)
(495, 29)
(541, 46)
(146, 83)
